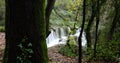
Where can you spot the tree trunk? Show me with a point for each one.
(80, 36)
(88, 34)
(93, 15)
(115, 20)
(97, 24)
(25, 24)
(50, 5)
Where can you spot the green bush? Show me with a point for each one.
(107, 51)
(70, 51)
(2, 29)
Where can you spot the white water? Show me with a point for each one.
(83, 36)
(54, 39)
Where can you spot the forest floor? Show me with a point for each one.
(2, 45)
(54, 55)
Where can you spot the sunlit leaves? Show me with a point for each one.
(73, 5)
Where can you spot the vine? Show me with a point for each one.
(27, 52)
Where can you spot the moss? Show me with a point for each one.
(39, 16)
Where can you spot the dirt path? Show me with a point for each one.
(2, 45)
(56, 57)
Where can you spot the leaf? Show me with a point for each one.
(30, 44)
(20, 45)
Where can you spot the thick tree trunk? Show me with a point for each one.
(25, 20)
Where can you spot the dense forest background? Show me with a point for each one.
(2, 13)
(99, 19)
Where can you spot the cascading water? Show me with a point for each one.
(83, 36)
(62, 32)
(59, 36)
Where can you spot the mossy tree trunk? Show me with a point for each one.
(25, 23)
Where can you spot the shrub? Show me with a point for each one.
(70, 51)
(2, 29)
(106, 51)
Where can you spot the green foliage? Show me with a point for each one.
(71, 40)
(2, 22)
(2, 29)
(108, 51)
(67, 13)
(70, 51)
(74, 5)
(2, 12)
(27, 52)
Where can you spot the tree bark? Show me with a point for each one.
(88, 34)
(93, 15)
(80, 36)
(97, 24)
(25, 20)
(115, 20)
(50, 5)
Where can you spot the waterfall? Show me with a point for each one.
(62, 32)
(84, 41)
(57, 32)
(59, 36)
